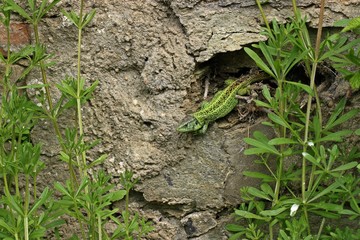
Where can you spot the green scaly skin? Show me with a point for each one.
(222, 104)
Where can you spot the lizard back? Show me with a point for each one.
(226, 101)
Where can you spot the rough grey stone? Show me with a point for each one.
(222, 26)
(144, 54)
(198, 223)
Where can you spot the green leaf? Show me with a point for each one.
(341, 23)
(335, 137)
(83, 184)
(259, 62)
(2, 58)
(267, 189)
(267, 95)
(339, 48)
(270, 60)
(258, 135)
(48, 7)
(277, 119)
(15, 205)
(357, 132)
(33, 86)
(269, 213)
(345, 167)
(298, 55)
(304, 87)
(234, 228)
(73, 17)
(355, 81)
(352, 24)
(258, 193)
(280, 141)
(7, 226)
(87, 93)
(98, 161)
(310, 158)
(246, 214)
(38, 233)
(261, 145)
(118, 195)
(345, 117)
(88, 17)
(64, 157)
(236, 236)
(337, 111)
(348, 212)
(284, 235)
(255, 151)
(330, 188)
(325, 214)
(41, 200)
(16, 8)
(32, 5)
(262, 104)
(55, 223)
(58, 186)
(67, 89)
(328, 206)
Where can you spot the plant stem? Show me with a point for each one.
(309, 105)
(127, 214)
(4, 93)
(280, 162)
(47, 90)
(79, 88)
(35, 189)
(50, 104)
(42, 68)
(77, 216)
(99, 227)
(312, 86)
(263, 14)
(26, 207)
(320, 229)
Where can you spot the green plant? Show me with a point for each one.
(131, 225)
(325, 192)
(30, 214)
(88, 199)
(342, 234)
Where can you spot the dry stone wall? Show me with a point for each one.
(145, 53)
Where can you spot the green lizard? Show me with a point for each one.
(222, 104)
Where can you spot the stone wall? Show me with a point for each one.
(145, 54)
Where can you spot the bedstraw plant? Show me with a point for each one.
(312, 175)
(27, 213)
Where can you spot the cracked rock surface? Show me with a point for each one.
(144, 53)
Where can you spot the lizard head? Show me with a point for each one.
(191, 125)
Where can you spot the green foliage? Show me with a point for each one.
(320, 179)
(348, 63)
(36, 12)
(77, 20)
(27, 213)
(341, 234)
(132, 227)
(92, 208)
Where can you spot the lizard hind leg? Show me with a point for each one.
(244, 91)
